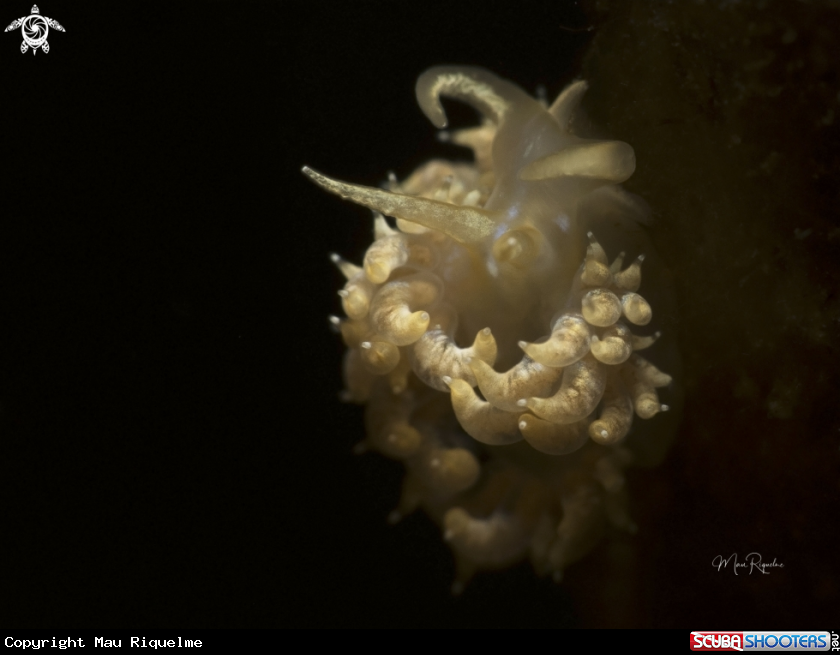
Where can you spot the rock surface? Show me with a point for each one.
(734, 112)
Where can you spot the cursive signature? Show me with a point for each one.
(753, 562)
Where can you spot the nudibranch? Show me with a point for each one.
(492, 338)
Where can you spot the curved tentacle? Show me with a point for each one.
(563, 108)
(494, 97)
(583, 386)
(569, 341)
(527, 378)
(481, 420)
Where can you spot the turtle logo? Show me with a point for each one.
(35, 28)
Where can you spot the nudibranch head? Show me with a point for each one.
(489, 333)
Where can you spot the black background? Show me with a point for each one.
(173, 451)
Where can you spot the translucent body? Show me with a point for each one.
(516, 454)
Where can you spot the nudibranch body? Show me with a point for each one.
(491, 337)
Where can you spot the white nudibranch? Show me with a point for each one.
(515, 454)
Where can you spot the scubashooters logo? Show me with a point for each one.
(755, 641)
(35, 28)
